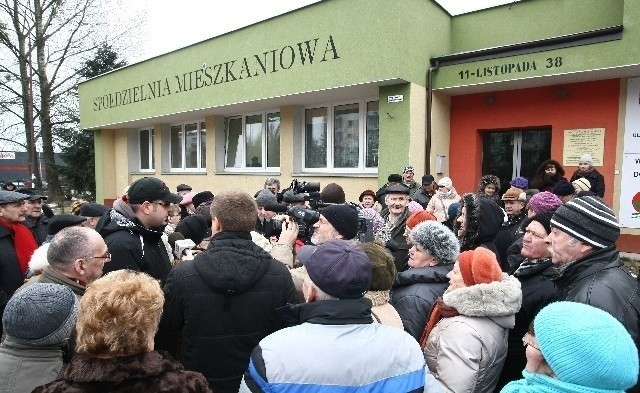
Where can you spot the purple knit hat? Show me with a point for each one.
(520, 182)
(544, 201)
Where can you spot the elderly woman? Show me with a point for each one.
(117, 320)
(431, 257)
(466, 335)
(574, 347)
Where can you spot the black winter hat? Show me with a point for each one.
(194, 227)
(201, 197)
(563, 188)
(93, 210)
(394, 178)
(344, 219)
(61, 221)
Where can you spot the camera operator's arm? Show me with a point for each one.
(283, 249)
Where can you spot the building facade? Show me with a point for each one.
(349, 91)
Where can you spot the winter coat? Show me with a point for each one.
(484, 220)
(52, 276)
(601, 280)
(401, 248)
(412, 186)
(415, 291)
(311, 356)
(11, 277)
(506, 236)
(23, 368)
(538, 290)
(595, 179)
(382, 311)
(542, 181)
(421, 197)
(539, 383)
(466, 352)
(439, 207)
(38, 228)
(146, 372)
(133, 246)
(220, 305)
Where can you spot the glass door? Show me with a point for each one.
(511, 153)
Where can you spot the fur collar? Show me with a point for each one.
(378, 298)
(487, 300)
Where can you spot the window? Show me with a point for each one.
(188, 146)
(146, 150)
(342, 137)
(252, 141)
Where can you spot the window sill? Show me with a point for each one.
(185, 172)
(336, 174)
(260, 172)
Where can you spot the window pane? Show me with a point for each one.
(176, 146)
(346, 136)
(273, 139)
(234, 143)
(153, 153)
(253, 129)
(144, 149)
(372, 134)
(315, 141)
(203, 145)
(191, 145)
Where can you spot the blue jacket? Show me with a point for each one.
(337, 348)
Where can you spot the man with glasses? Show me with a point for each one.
(133, 228)
(16, 244)
(536, 275)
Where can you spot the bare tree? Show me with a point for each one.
(43, 42)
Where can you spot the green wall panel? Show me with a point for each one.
(394, 131)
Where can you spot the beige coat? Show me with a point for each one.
(466, 353)
(439, 206)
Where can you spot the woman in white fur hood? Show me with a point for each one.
(465, 340)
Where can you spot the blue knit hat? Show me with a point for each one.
(586, 346)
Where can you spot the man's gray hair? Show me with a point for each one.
(272, 180)
(68, 245)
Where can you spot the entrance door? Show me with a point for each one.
(511, 153)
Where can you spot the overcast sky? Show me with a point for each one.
(174, 24)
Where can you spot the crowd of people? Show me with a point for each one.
(512, 289)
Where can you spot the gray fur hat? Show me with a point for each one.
(40, 315)
(441, 243)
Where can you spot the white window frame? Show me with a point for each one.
(362, 138)
(150, 143)
(244, 167)
(183, 167)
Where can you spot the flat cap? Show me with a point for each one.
(11, 196)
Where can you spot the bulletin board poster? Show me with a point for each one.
(580, 141)
(629, 214)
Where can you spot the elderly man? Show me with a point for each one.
(395, 216)
(407, 179)
(93, 212)
(223, 302)
(583, 235)
(76, 257)
(35, 220)
(514, 200)
(16, 244)
(334, 326)
(133, 228)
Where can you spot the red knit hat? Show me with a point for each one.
(479, 266)
(418, 217)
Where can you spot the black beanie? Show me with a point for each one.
(544, 219)
(194, 227)
(563, 188)
(344, 219)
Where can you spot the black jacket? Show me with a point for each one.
(132, 246)
(414, 292)
(221, 304)
(601, 280)
(538, 290)
(38, 228)
(421, 197)
(11, 277)
(506, 236)
(595, 179)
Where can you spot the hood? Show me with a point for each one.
(117, 221)
(484, 220)
(38, 259)
(495, 299)
(434, 274)
(559, 168)
(232, 263)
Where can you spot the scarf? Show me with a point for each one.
(443, 194)
(539, 383)
(584, 173)
(23, 242)
(438, 311)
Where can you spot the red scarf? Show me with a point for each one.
(23, 242)
(438, 311)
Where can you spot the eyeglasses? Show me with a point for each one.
(106, 257)
(536, 235)
(526, 344)
(162, 203)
